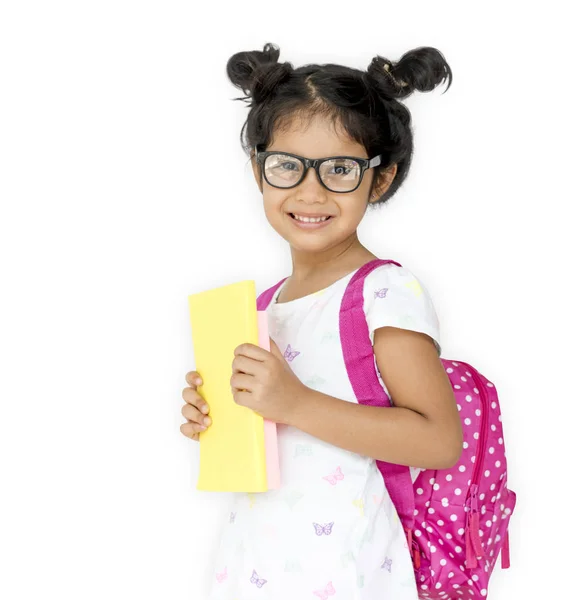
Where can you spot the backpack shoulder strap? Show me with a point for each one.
(360, 362)
(264, 298)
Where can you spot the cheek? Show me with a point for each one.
(352, 209)
(274, 207)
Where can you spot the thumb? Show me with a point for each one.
(275, 350)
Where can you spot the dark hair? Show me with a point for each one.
(365, 103)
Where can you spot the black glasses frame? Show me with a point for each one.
(364, 163)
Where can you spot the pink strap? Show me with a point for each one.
(506, 551)
(360, 363)
(265, 297)
(361, 367)
(474, 548)
(471, 562)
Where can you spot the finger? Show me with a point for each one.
(193, 379)
(242, 398)
(191, 396)
(195, 427)
(251, 351)
(192, 414)
(241, 381)
(187, 430)
(243, 364)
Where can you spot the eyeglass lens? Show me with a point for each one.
(338, 174)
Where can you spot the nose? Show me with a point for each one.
(310, 189)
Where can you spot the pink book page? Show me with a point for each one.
(270, 431)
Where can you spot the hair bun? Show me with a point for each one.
(258, 73)
(420, 69)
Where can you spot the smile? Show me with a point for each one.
(310, 222)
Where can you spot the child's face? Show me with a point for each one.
(317, 140)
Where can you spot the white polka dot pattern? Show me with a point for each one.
(456, 562)
(455, 559)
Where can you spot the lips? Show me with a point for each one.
(293, 215)
(311, 225)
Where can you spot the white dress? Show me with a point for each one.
(331, 529)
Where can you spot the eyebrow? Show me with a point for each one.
(329, 156)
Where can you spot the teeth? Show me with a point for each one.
(309, 219)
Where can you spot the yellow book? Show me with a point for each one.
(233, 448)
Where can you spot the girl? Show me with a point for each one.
(332, 529)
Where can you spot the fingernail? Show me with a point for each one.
(198, 381)
(201, 427)
(207, 421)
(204, 408)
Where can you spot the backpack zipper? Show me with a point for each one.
(474, 548)
(483, 430)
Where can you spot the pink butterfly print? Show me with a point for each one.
(290, 354)
(271, 530)
(220, 577)
(336, 476)
(387, 564)
(256, 580)
(382, 293)
(328, 591)
(323, 529)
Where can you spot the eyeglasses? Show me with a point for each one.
(339, 174)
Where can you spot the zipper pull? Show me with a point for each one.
(474, 548)
(409, 539)
(474, 498)
(415, 554)
(474, 534)
(506, 551)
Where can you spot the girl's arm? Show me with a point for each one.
(423, 427)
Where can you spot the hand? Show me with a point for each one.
(264, 382)
(195, 408)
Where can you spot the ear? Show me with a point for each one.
(383, 183)
(257, 171)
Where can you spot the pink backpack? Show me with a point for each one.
(456, 520)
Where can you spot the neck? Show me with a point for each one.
(343, 258)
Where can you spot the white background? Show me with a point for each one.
(123, 189)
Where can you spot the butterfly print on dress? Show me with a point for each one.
(270, 530)
(240, 548)
(314, 381)
(220, 577)
(382, 293)
(329, 336)
(336, 476)
(347, 558)
(293, 566)
(415, 287)
(367, 537)
(303, 450)
(257, 580)
(325, 593)
(360, 504)
(324, 529)
(293, 497)
(387, 564)
(290, 354)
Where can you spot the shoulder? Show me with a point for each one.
(391, 284)
(394, 296)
